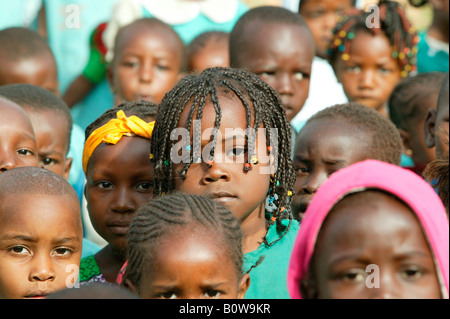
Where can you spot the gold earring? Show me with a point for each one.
(409, 152)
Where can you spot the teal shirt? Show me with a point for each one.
(430, 59)
(268, 280)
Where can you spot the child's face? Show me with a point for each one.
(17, 140)
(119, 180)
(322, 148)
(147, 64)
(192, 265)
(383, 233)
(40, 70)
(40, 244)
(437, 130)
(226, 182)
(321, 17)
(51, 136)
(371, 73)
(214, 54)
(282, 55)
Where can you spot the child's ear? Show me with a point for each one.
(406, 147)
(429, 128)
(128, 284)
(243, 286)
(67, 167)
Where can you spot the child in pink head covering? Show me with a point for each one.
(373, 230)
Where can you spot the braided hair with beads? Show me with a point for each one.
(393, 23)
(165, 215)
(262, 106)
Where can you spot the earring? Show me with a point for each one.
(409, 152)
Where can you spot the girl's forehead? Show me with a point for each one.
(229, 108)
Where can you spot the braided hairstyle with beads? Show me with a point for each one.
(393, 23)
(262, 106)
(166, 215)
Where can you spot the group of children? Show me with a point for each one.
(202, 184)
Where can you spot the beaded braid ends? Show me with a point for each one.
(392, 22)
(262, 107)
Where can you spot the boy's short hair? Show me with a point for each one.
(38, 99)
(36, 181)
(406, 102)
(386, 142)
(19, 43)
(266, 14)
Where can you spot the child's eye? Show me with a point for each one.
(145, 186)
(299, 76)
(266, 73)
(162, 67)
(25, 152)
(104, 185)
(302, 170)
(212, 293)
(62, 251)
(353, 275)
(384, 70)
(167, 295)
(131, 64)
(411, 273)
(20, 251)
(239, 151)
(352, 69)
(49, 161)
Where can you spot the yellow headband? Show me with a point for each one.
(113, 131)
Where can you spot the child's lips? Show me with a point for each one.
(222, 196)
(40, 294)
(119, 227)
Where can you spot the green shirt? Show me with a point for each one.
(268, 280)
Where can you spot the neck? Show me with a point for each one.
(254, 228)
(110, 261)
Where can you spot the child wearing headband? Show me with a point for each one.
(118, 139)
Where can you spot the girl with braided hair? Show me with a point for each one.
(224, 134)
(185, 246)
(371, 51)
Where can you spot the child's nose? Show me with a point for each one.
(146, 72)
(122, 202)
(313, 183)
(215, 172)
(285, 84)
(42, 269)
(7, 161)
(367, 79)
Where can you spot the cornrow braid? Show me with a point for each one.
(262, 106)
(144, 109)
(165, 215)
(393, 23)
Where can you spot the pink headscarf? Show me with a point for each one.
(404, 184)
